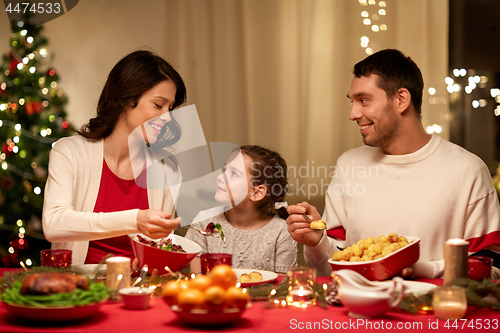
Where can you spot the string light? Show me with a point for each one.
(29, 134)
(369, 21)
(494, 92)
(435, 128)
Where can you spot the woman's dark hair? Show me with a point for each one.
(268, 168)
(395, 71)
(131, 77)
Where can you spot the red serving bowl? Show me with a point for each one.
(383, 268)
(157, 258)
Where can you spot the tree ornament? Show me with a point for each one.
(7, 150)
(7, 183)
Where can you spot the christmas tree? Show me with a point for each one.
(32, 118)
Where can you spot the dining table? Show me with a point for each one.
(258, 317)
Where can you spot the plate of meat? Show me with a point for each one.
(54, 296)
(56, 313)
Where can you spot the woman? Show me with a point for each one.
(92, 199)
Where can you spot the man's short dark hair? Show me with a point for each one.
(395, 71)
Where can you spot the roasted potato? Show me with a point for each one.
(371, 248)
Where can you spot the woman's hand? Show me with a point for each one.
(299, 228)
(155, 223)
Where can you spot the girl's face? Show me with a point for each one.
(234, 183)
(152, 110)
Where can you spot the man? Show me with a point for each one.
(404, 180)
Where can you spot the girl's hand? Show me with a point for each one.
(155, 223)
(136, 268)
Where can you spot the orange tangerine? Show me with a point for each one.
(190, 299)
(223, 275)
(200, 282)
(237, 298)
(172, 289)
(215, 298)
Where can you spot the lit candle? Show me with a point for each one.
(456, 257)
(117, 275)
(449, 302)
(449, 310)
(300, 286)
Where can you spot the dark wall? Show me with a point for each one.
(474, 44)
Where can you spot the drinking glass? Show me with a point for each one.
(55, 258)
(480, 268)
(210, 260)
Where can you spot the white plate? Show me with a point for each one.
(268, 276)
(412, 287)
(89, 268)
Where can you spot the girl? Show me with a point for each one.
(254, 178)
(92, 197)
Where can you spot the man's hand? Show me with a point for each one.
(299, 227)
(407, 272)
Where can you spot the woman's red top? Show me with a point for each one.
(116, 194)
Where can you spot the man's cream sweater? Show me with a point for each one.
(439, 192)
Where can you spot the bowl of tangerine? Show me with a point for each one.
(195, 301)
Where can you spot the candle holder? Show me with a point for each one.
(55, 258)
(210, 260)
(449, 302)
(301, 286)
(480, 268)
(117, 276)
